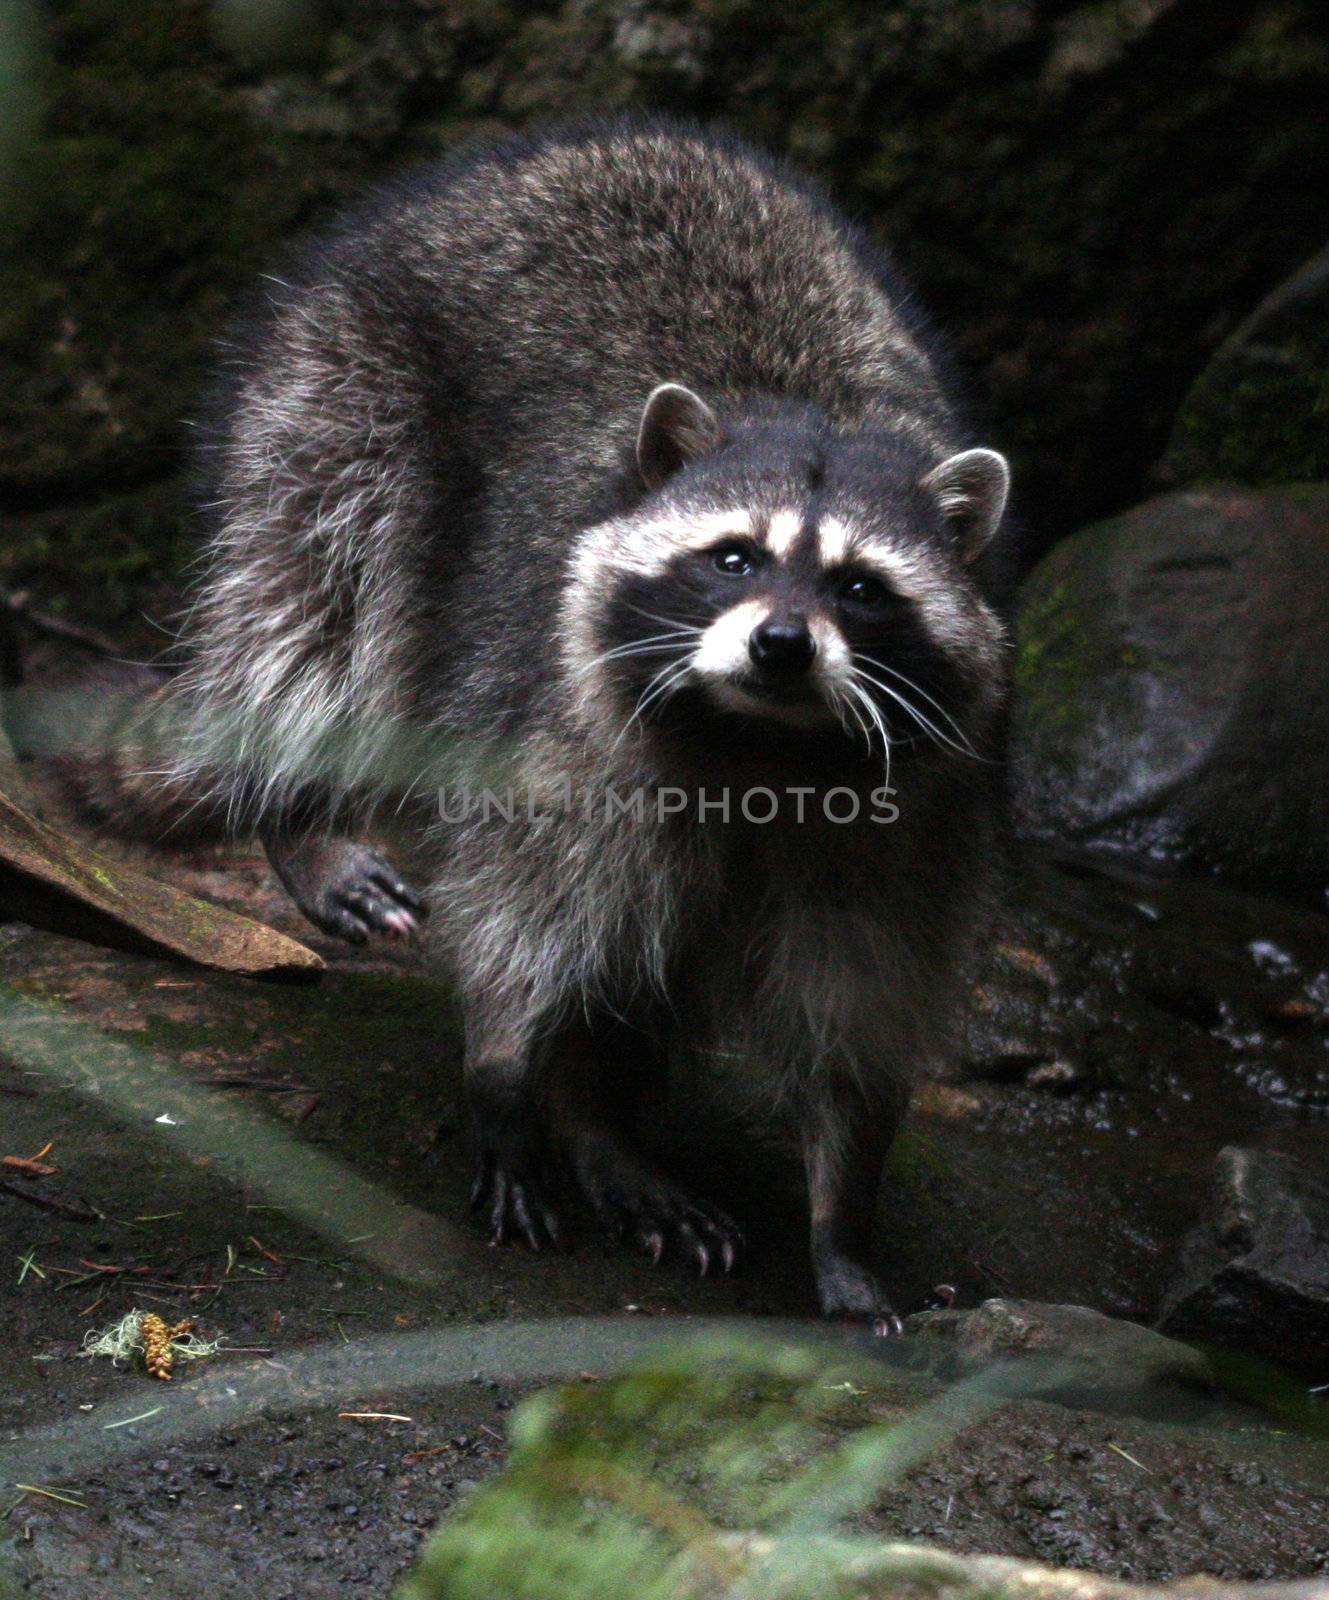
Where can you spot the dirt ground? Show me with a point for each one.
(288, 1167)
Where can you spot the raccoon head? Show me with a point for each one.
(797, 577)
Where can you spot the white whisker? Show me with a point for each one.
(939, 738)
(661, 681)
(669, 622)
(844, 705)
(665, 689)
(653, 645)
(878, 721)
(935, 704)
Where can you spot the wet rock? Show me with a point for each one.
(1255, 1274)
(1259, 412)
(1089, 1356)
(1173, 667)
(1183, 1031)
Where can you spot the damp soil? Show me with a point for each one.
(306, 1200)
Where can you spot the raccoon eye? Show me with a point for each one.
(734, 560)
(867, 592)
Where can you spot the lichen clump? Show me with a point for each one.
(150, 1338)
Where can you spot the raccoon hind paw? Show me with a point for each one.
(850, 1293)
(647, 1210)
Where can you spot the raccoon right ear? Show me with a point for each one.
(972, 489)
(676, 427)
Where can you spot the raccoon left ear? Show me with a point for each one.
(676, 427)
(972, 488)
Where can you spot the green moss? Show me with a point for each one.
(608, 1486)
(913, 1160)
(1258, 422)
(350, 1016)
(348, 1034)
(152, 197)
(1055, 658)
(106, 554)
(1259, 412)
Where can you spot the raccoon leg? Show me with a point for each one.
(516, 1176)
(601, 1068)
(342, 886)
(848, 1129)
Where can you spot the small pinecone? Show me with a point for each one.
(157, 1336)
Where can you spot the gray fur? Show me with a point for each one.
(422, 488)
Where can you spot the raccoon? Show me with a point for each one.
(614, 463)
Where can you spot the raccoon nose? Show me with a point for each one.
(784, 647)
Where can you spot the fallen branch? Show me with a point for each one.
(29, 1166)
(60, 1207)
(55, 882)
(20, 608)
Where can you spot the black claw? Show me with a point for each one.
(640, 1206)
(376, 914)
(373, 900)
(525, 1221)
(516, 1207)
(498, 1211)
(345, 922)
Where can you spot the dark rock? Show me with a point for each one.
(1094, 1358)
(1255, 1274)
(1173, 667)
(1259, 412)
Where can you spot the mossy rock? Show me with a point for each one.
(1259, 412)
(1172, 668)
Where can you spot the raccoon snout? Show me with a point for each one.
(782, 648)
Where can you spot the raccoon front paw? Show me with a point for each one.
(362, 895)
(848, 1292)
(517, 1204)
(644, 1208)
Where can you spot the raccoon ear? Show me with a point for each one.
(972, 488)
(676, 427)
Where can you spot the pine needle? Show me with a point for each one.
(129, 1421)
(1127, 1457)
(52, 1494)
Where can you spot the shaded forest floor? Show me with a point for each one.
(288, 1166)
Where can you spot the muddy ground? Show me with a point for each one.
(306, 1200)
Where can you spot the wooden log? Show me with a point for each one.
(55, 882)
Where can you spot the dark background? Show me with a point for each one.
(1090, 198)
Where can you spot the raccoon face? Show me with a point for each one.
(796, 578)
